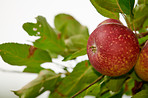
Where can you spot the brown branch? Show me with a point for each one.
(98, 79)
(143, 34)
(137, 87)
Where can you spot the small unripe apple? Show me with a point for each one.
(141, 67)
(112, 49)
(110, 21)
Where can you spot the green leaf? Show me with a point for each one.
(140, 16)
(145, 86)
(107, 8)
(22, 54)
(134, 76)
(69, 26)
(128, 85)
(145, 25)
(143, 30)
(141, 94)
(76, 42)
(117, 94)
(127, 6)
(82, 75)
(32, 29)
(115, 84)
(105, 92)
(93, 91)
(76, 54)
(103, 88)
(106, 95)
(49, 40)
(72, 32)
(99, 89)
(110, 5)
(142, 1)
(46, 80)
(143, 40)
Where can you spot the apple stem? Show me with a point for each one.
(94, 49)
(98, 79)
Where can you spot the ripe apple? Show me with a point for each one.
(112, 49)
(141, 67)
(110, 21)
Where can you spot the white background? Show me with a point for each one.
(13, 13)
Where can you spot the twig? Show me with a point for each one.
(135, 29)
(143, 34)
(126, 19)
(88, 86)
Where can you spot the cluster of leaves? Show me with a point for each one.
(69, 39)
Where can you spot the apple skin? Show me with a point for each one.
(110, 21)
(112, 49)
(141, 67)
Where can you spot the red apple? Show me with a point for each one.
(110, 21)
(112, 49)
(141, 67)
